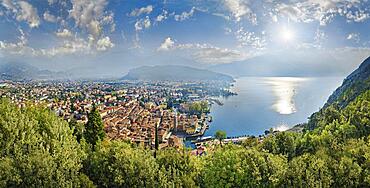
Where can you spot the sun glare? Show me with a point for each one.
(286, 34)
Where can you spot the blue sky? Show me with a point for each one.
(116, 35)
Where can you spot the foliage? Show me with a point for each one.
(220, 135)
(94, 128)
(37, 149)
(118, 164)
(78, 129)
(199, 107)
(180, 168)
(238, 167)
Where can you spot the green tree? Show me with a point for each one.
(119, 164)
(310, 171)
(37, 149)
(220, 135)
(180, 168)
(78, 129)
(94, 128)
(156, 141)
(234, 166)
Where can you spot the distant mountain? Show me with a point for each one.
(19, 71)
(354, 85)
(291, 64)
(174, 72)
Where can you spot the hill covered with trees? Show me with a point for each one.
(40, 150)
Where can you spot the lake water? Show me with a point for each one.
(270, 102)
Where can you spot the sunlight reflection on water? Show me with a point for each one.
(284, 90)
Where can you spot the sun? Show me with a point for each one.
(286, 34)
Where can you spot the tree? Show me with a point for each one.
(235, 166)
(119, 164)
(181, 169)
(156, 141)
(94, 127)
(78, 129)
(37, 149)
(220, 135)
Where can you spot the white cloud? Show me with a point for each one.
(142, 24)
(204, 53)
(65, 33)
(8, 4)
(90, 15)
(69, 45)
(185, 15)
(167, 44)
(246, 38)
(322, 11)
(320, 38)
(215, 55)
(239, 9)
(104, 43)
(354, 37)
(357, 16)
(28, 13)
(144, 10)
(109, 20)
(161, 17)
(48, 17)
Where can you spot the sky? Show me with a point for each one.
(108, 37)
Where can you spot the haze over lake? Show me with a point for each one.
(270, 102)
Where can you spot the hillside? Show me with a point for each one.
(356, 84)
(174, 73)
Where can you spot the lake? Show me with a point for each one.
(270, 102)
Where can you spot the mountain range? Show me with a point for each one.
(174, 73)
(19, 71)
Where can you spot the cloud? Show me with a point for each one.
(65, 33)
(215, 55)
(48, 17)
(8, 4)
(322, 11)
(142, 24)
(239, 9)
(104, 44)
(354, 37)
(90, 15)
(357, 16)
(161, 17)
(144, 10)
(28, 13)
(204, 53)
(250, 39)
(185, 15)
(167, 44)
(319, 39)
(69, 45)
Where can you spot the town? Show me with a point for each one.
(130, 110)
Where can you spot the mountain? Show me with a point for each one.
(19, 71)
(174, 72)
(355, 88)
(355, 84)
(311, 63)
